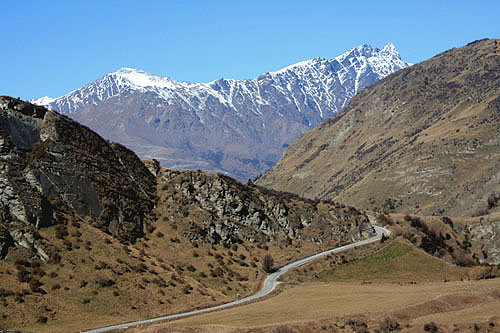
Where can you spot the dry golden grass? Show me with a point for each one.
(310, 304)
(164, 273)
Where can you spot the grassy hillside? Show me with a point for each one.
(424, 140)
(397, 262)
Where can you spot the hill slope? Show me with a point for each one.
(91, 234)
(423, 140)
(235, 127)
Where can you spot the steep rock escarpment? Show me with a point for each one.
(50, 165)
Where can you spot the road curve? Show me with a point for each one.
(270, 283)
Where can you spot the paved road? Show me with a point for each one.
(270, 283)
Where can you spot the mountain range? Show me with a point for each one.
(237, 127)
(424, 140)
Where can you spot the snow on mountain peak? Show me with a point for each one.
(389, 47)
(142, 79)
(42, 100)
(319, 84)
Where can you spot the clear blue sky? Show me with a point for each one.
(53, 47)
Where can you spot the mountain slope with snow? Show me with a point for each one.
(238, 127)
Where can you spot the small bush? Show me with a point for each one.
(187, 289)
(105, 282)
(55, 258)
(35, 285)
(431, 327)
(268, 263)
(23, 276)
(61, 231)
(389, 325)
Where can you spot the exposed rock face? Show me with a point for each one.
(485, 237)
(49, 164)
(238, 127)
(219, 209)
(424, 140)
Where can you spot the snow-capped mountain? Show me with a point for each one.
(238, 127)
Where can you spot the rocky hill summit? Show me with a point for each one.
(50, 165)
(237, 127)
(424, 140)
(218, 209)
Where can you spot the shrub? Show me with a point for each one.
(447, 221)
(268, 263)
(23, 276)
(35, 285)
(186, 289)
(431, 327)
(389, 325)
(55, 258)
(61, 231)
(219, 272)
(105, 282)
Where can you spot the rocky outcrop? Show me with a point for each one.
(485, 239)
(50, 164)
(219, 209)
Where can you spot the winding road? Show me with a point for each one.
(270, 283)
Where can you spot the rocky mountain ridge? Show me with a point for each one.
(218, 209)
(423, 140)
(230, 126)
(50, 166)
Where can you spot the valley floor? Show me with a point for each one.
(355, 307)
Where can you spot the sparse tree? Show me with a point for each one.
(268, 263)
(383, 238)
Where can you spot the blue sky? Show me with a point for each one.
(53, 47)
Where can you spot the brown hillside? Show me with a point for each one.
(91, 236)
(423, 140)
